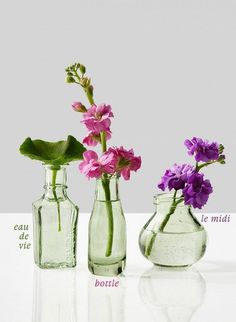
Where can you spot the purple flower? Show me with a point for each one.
(202, 149)
(176, 177)
(197, 190)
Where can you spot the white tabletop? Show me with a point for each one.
(204, 292)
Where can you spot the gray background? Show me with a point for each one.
(167, 67)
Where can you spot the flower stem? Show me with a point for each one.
(103, 141)
(89, 96)
(106, 187)
(206, 164)
(163, 224)
(54, 176)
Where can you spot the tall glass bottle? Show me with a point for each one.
(55, 223)
(107, 230)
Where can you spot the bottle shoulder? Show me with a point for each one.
(50, 201)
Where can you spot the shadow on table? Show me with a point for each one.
(54, 296)
(106, 304)
(172, 295)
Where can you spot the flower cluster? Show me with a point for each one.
(97, 120)
(185, 177)
(114, 160)
(203, 150)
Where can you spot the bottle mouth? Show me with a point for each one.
(166, 197)
(110, 177)
(55, 167)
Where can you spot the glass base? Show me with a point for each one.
(55, 265)
(173, 266)
(107, 270)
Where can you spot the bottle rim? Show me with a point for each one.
(167, 197)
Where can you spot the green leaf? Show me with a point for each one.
(54, 153)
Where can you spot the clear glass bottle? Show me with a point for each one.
(55, 223)
(107, 230)
(173, 240)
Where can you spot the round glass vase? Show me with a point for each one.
(55, 219)
(172, 237)
(107, 230)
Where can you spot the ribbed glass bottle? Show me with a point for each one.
(55, 223)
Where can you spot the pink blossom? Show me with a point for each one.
(126, 161)
(114, 160)
(97, 118)
(90, 166)
(109, 162)
(93, 167)
(93, 138)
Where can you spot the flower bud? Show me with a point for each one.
(221, 159)
(84, 81)
(70, 79)
(79, 107)
(82, 69)
(221, 148)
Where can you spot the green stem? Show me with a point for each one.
(199, 167)
(103, 141)
(87, 92)
(89, 96)
(163, 224)
(106, 187)
(54, 176)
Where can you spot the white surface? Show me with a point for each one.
(205, 292)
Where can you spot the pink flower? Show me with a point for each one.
(93, 167)
(93, 138)
(90, 166)
(79, 107)
(126, 161)
(109, 162)
(114, 160)
(97, 118)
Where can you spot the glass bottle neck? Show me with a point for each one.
(107, 188)
(165, 203)
(55, 179)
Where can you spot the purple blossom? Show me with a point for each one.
(197, 190)
(176, 177)
(203, 150)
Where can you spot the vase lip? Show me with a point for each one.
(111, 176)
(166, 197)
(55, 167)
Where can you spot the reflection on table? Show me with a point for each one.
(172, 295)
(54, 296)
(106, 304)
